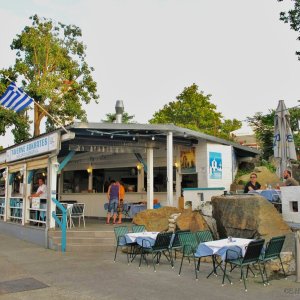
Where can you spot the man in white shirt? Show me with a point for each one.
(41, 191)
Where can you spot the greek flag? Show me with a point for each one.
(14, 98)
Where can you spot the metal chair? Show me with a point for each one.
(77, 212)
(161, 246)
(120, 232)
(138, 228)
(272, 251)
(252, 254)
(176, 244)
(189, 244)
(202, 237)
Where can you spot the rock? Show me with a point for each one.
(191, 220)
(212, 225)
(247, 166)
(247, 216)
(155, 219)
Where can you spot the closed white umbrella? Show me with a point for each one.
(284, 146)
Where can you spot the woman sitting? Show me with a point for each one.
(252, 184)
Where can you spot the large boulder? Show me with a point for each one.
(247, 216)
(155, 219)
(191, 220)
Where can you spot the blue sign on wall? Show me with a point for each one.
(215, 165)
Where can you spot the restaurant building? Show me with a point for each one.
(155, 163)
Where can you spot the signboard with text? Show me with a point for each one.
(38, 146)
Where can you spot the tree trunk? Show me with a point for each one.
(37, 120)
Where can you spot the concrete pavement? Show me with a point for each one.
(95, 276)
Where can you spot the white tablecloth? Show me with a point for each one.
(138, 237)
(220, 247)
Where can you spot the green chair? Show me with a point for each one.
(161, 246)
(120, 232)
(272, 251)
(138, 228)
(176, 245)
(189, 245)
(251, 257)
(202, 237)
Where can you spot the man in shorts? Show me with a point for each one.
(113, 201)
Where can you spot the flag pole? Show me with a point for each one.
(44, 110)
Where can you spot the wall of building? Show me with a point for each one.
(290, 200)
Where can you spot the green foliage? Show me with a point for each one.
(263, 126)
(268, 165)
(51, 62)
(193, 110)
(292, 17)
(126, 118)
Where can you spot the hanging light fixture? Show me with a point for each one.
(89, 169)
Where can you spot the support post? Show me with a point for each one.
(52, 179)
(170, 168)
(90, 183)
(150, 178)
(297, 256)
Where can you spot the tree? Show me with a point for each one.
(263, 126)
(111, 118)
(51, 62)
(193, 110)
(293, 18)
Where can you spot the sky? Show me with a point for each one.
(145, 52)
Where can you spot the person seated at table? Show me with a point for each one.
(289, 180)
(252, 185)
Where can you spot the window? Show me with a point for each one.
(17, 184)
(102, 178)
(75, 181)
(2, 183)
(39, 173)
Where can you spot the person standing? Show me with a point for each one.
(113, 194)
(41, 191)
(289, 180)
(121, 202)
(252, 185)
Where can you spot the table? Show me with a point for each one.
(220, 247)
(138, 237)
(271, 195)
(136, 208)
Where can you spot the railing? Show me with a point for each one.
(61, 223)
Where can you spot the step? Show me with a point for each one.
(84, 234)
(85, 240)
(88, 248)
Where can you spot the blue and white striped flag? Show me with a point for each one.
(14, 98)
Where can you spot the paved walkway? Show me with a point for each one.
(95, 276)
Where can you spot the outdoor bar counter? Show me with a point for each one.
(94, 202)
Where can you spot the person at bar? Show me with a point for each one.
(113, 196)
(42, 194)
(41, 191)
(121, 202)
(252, 185)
